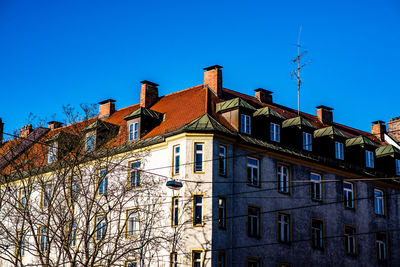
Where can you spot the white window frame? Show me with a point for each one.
(197, 261)
(379, 201)
(381, 247)
(101, 227)
(198, 208)
(275, 132)
(307, 141)
(52, 150)
(222, 160)
(134, 173)
(72, 235)
(348, 195)
(339, 150)
(369, 159)
(90, 142)
(350, 240)
(132, 223)
(44, 239)
(397, 162)
(47, 194)
(198, 165)
(316, 186)
(176, 159)
(284, 221)
(245, 124)
(253, 219)
(283, 179)
(253, 171)
(103, 182)
(175, 211)
(133, 131)
(173, 259)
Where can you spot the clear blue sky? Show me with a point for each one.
(54, 53)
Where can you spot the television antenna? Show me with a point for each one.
(296, 72)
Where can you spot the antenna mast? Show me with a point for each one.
(296, 72)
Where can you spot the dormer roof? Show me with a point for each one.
(298, 121)
(144, 112)
(268, 112)
(328, 131)
(233, 104)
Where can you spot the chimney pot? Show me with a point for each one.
(263, 95)
(25, 131)
(54, 124)
(325, 114)
(148, 94)
(106, 108)
(213, 79)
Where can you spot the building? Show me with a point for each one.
(261, 185)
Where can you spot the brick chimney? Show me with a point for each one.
(54, 125)
(378, 129)
(263, 95)
(106, 108)
(394, 128)
(1, 131)
(25, 131)
(325, 114)
(148, 94)
(213, 78)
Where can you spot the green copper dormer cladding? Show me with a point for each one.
(330, 131)
(299, 122)
(206, 123)
(141, 121)
(388, 150)
(233, 104)
(388, 159)
(360, 140)
(360, 150)
(330, 142)
(298, 132)
(268, 112)
(267, 124)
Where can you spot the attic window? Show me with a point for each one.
(398, 167)
(275, 130)
(307, 141)
(245, 124)
(52, 152)
(133, 131)
(89, 144)
(369, 159)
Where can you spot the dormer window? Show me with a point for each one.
(89, 144)
(52, 152)
(369, 159)
(307, 141)
(275, 132)
(133, 131)
(245, 124)
(339, 150)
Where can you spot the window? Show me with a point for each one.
(350, 240)
(52, 153)
(101, 226)
(46, 194)
(132, 223)
(72, 234)
(221, 258)
(253, 263)
(339, 150)
(397, 167)
(316, 187)
(133, 131)
(253, 173)
(75, 188)
(197, 210)
(245, 124)
(198, 157)
(253, 221)
(317, 233)
(283, 179)
(23, 243)
(348, 195)
(103, 182)
(381, 246)
(173, 259)
(222, 161)
(284, 227)
(379, 202)
(90, 139)
(275, 132)
(197, 258)
(307, 141)
(44, 239)
(369, 159)
(134, 174)
(177, 161)
(175, 211)
(130, 264)
(222, 212)
(22, 197)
